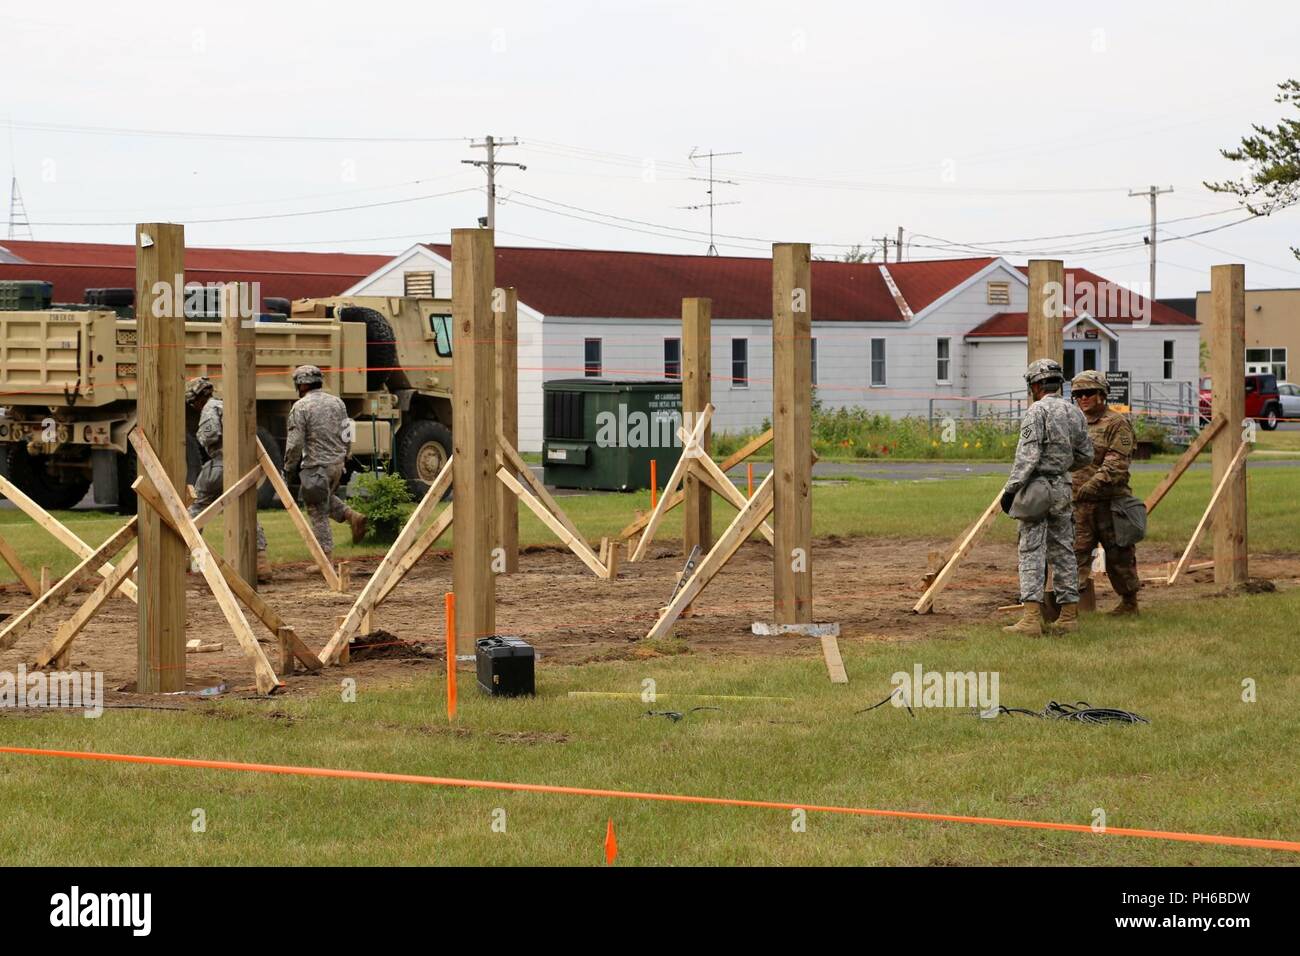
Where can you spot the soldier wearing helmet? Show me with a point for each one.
(1053, 442)
(1097, 485)
(210, 483)
(319, 436)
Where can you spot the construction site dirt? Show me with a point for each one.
(867, 586)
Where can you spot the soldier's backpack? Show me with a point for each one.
(1130, 519)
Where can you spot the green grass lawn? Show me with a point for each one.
(1208, 762)
(903, 509)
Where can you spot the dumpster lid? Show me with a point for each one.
(612, 384)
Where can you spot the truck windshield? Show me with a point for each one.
(441, 325)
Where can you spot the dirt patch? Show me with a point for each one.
(867, 585)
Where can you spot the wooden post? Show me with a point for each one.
(1228, 398)
(792, 431)
(507, 396)
(1046, 309)
(473, 431)
(239, 428)
(697, 392)
(160, 406)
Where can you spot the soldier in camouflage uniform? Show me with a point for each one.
(210, 483)
(1053, 441)
(1097, 484)
(314, 455)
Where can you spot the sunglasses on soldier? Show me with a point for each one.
(1084, 393)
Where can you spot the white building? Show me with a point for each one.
(910, 338)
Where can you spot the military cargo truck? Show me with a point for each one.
(68, 380)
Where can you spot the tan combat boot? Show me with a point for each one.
(358, 522)
(264, 573)
(1068, 620)
(1031, 621)
(1128, 604)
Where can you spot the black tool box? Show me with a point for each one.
(505, 667)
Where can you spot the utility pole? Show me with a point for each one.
(884, 247)
(491, 144)
(694, 155)
(1151, 193)
(898, 249)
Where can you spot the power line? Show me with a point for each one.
(209, 135)
(282, 215)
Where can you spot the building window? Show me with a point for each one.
(673, 359)
(1112, 364)
(999, 293)
(814, 361)
(1266, 362)
(877, 361)
(740, 363)
(943, 361)
(1169, 360)
(591, 363)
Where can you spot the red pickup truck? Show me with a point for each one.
(1263, 401)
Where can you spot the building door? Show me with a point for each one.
(1080, 357)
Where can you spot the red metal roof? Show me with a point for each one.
(588, 283)
(1110, 302)
(74, 267)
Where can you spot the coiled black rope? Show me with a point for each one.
(1080, 711)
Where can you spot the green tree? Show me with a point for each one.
(1272, 156)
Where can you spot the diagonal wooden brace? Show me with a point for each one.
(574, 542)
(70, 628)
(690, 450)
(369, 596)
(267, 682)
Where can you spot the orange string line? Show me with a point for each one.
(383, 777)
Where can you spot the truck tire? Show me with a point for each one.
(381, 344)
(423, 447)
(275, 305)
(127, 469)
(49, 489)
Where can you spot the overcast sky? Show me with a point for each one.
(981, 124)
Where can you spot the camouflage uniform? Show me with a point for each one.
(1095, 486)
(1053, 441)
(211, 481)
(315, 452)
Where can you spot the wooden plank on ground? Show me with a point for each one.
(1215, 502)
(57, 529)
(572, 541)
(299, 520)
(369, 595)
(1184, 462)
(964, 548)
(209, 566)
(18, 625)
(742, 526)
(834, 662)
(69, 629)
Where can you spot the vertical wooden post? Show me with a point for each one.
(1228, 398)
(160, 407)
(792, 431)
(473, 431)
(239, 428)
(1046, 309)
(507, 397)
(697, 392)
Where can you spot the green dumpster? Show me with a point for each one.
(602, 434)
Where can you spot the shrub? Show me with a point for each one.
(384, 500)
